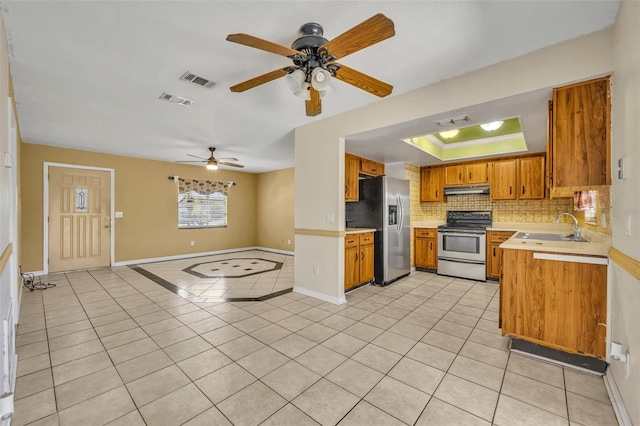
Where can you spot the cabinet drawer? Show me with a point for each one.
(499, 237)
(366, 238)
(351, 240)
(425, 232)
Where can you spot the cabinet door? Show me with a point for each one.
(421, 251)
(432, 253)
(531, 178)
(351, 267)
(351, 168)
(582, 134)
(366, 263)
(454, 175)
(559, 304)
(503, 180)
(431, 184)
(476, 174)
(371, 168)
(494, 260)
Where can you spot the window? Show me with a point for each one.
(197, 210)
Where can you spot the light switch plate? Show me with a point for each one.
(621, 162)
(119, 215)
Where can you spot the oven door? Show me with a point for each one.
(462, 245)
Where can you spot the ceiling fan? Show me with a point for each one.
(314, 60)
(212, 162)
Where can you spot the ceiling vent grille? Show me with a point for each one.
(200, 81)
(175, 99)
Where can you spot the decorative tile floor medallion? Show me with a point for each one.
(246, 276)
(232, 268)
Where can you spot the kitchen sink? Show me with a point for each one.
(550, 237)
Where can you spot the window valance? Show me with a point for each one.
(203, 187)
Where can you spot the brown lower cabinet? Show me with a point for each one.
(426, 248)
(494, 252)
(358, 259)
(559, 301)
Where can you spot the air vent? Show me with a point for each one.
(200, 81)
(175, 99)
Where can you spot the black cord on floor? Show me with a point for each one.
(29, 281)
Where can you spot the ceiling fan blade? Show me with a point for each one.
(204, 161)
(227, 159)
(372, 31)
(257, 81)
(314, 105)
(258, 43)
(363, 81)
(202, 158)
(224, 163)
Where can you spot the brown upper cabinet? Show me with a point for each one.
(466, 174)
(371, 168)
(354, 167)
(580, 135)
(351, 170)
(517, 179)
(432, 184)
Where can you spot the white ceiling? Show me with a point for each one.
(88, 74)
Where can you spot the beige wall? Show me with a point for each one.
(625, 200)
(319, 146)
(148, 200)
(275, 199)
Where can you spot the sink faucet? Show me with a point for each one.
(576, 229)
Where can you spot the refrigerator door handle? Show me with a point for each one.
(401, 212)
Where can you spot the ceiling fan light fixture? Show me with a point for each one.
(449, 133)
(320, 79)
(494, 125)
(212, 166)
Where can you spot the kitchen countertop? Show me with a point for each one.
(349, 231)
(598, 244)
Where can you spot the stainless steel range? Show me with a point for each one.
(462, 244)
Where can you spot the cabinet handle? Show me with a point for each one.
(523, 190)
(436, 193)
(361, 256)
(459, 176)
(469, 175)
(510, 190)
(494, 252)
(431, 245)
(356, 257)
(346, 189)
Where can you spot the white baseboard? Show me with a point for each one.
(35, 273)
(200, 254)
(272, 250)
(616, 400)
(321, 296)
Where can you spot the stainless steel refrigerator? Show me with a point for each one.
(384, 206)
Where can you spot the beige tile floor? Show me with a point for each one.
(110, 346)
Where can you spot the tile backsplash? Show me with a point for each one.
(503, 211)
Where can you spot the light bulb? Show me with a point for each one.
(494, 125)
(449, 133)
(212, 166)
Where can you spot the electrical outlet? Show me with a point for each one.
(193, 243)
(331, 218)
(316, 271)
(289, 242)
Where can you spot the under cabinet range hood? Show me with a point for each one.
(466, 190)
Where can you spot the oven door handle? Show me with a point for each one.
(462, 234)
(473, 262)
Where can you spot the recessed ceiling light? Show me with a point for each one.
(449, 133)
(494, 125)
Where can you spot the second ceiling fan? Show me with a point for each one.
(314, 60)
